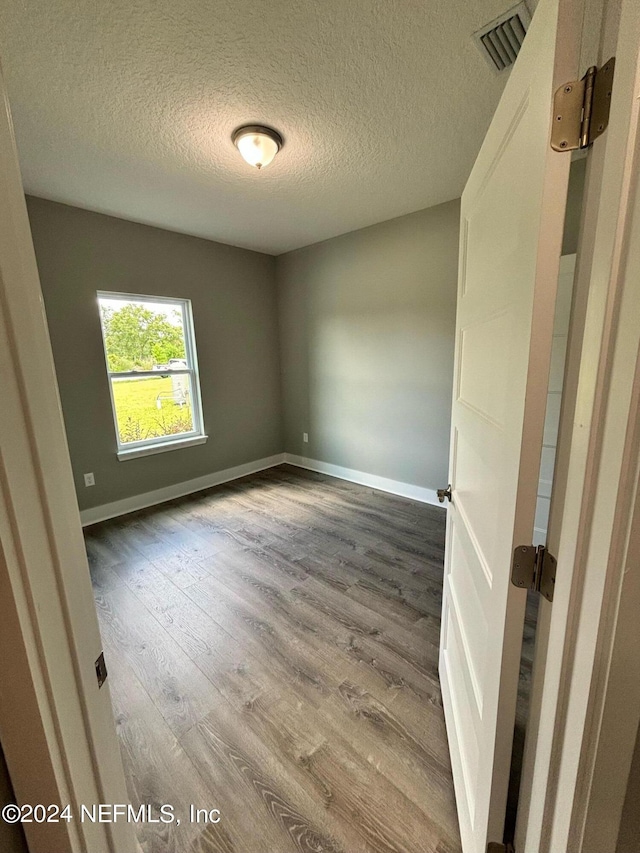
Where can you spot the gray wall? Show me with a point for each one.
(363, 363)
(235, 315)
(367, 324)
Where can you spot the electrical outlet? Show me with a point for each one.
(305, 437)
(89, 480)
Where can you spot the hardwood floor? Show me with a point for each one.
(272, 647)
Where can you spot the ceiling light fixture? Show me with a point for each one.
(257, 144)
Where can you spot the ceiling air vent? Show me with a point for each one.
(501, 40)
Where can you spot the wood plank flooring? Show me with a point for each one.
(272, 647)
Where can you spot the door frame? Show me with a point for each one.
(56, 726)
(562, 804)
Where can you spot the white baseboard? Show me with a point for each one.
(383, 484)
(178, 490)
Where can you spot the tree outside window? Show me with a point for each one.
(150, 355)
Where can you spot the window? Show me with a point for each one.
(150, 352)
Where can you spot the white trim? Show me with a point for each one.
(383, 484)
(394, 487)
(58, 733)
(577, 758)
(178, 490)
(150, 449)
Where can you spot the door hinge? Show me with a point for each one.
(101, 670)
(534, 568)
(444, 493)
(581, 109)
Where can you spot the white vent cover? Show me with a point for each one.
(501, 40)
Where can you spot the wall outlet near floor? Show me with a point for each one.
(305, 437)
(89, 480)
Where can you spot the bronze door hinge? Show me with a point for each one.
(534, 568)
(581, 108)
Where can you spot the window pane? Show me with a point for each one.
(151, 407)
(143, 334)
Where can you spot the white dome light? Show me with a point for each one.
(257, 144)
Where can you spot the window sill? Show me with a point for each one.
(162, 447)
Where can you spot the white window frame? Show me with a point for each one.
(159, 444)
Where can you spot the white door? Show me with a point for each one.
(511, 233)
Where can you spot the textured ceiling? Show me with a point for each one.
(127, 107)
